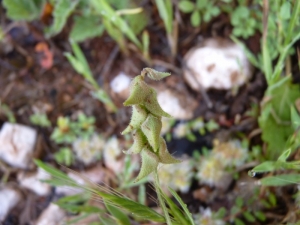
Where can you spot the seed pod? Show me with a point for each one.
(164, 155)
(139, 115)
(151, 128)
(139, 142)
(149, 163)
(139, 91)
(153, 106)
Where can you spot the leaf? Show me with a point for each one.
(186, 6)
(249, 217)
(195, 19)
(62, 10)
(107, 12)
(55, 172)
(23, 9)
(166, 13)
(122, 218)
(295, 117)
(237, 221)
(183, 205)
(86, 27)
(275, 119)
(281, 180)
(267, 166)
(285, 10)
(283, 157)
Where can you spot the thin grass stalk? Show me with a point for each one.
(160, 198)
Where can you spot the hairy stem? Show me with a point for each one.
(160, 198)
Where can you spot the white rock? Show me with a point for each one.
(9, 198)
(111, 155)
(120, 83)
(33, 182)
(17, 144)
(52, 215)
(217, 64)
(170, 103)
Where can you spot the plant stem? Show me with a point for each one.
(160, 198)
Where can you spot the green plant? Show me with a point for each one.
(275, 118)
(80, 64)
(40, 119)
(243, 24)
(201, 10)
(23, 10)
(64, 156)
(165, 9)
(146, 124)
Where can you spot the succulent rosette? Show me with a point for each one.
(145, 124)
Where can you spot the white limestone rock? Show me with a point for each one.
(9, 198)
(217, 64)
(120, 85)
(52, 215)
(171, 104)
(17, 144)
(33, 182)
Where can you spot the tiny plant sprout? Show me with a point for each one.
(145, 124)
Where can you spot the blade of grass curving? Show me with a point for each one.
(51, 170)
(166, 13)
(107, 195)
(184, 207)
(175, 211)
(122, 218)
(132, 207)
(106, 11)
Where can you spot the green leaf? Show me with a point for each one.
(249, 217)
(40, 119)
(23, 9)
(285, 11)
(265, 167)
(54, 172)
(64, 156)
(295, 117)
(260, 215)
(186, 6)
(166, 13)
(237, 221)
(239, 202)
(62, 10)
(283, 157)
(195, 19)
(275, 119)
(183, 205)
(86, 27)
(108, 13)
(122, 218)
(281, 180)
